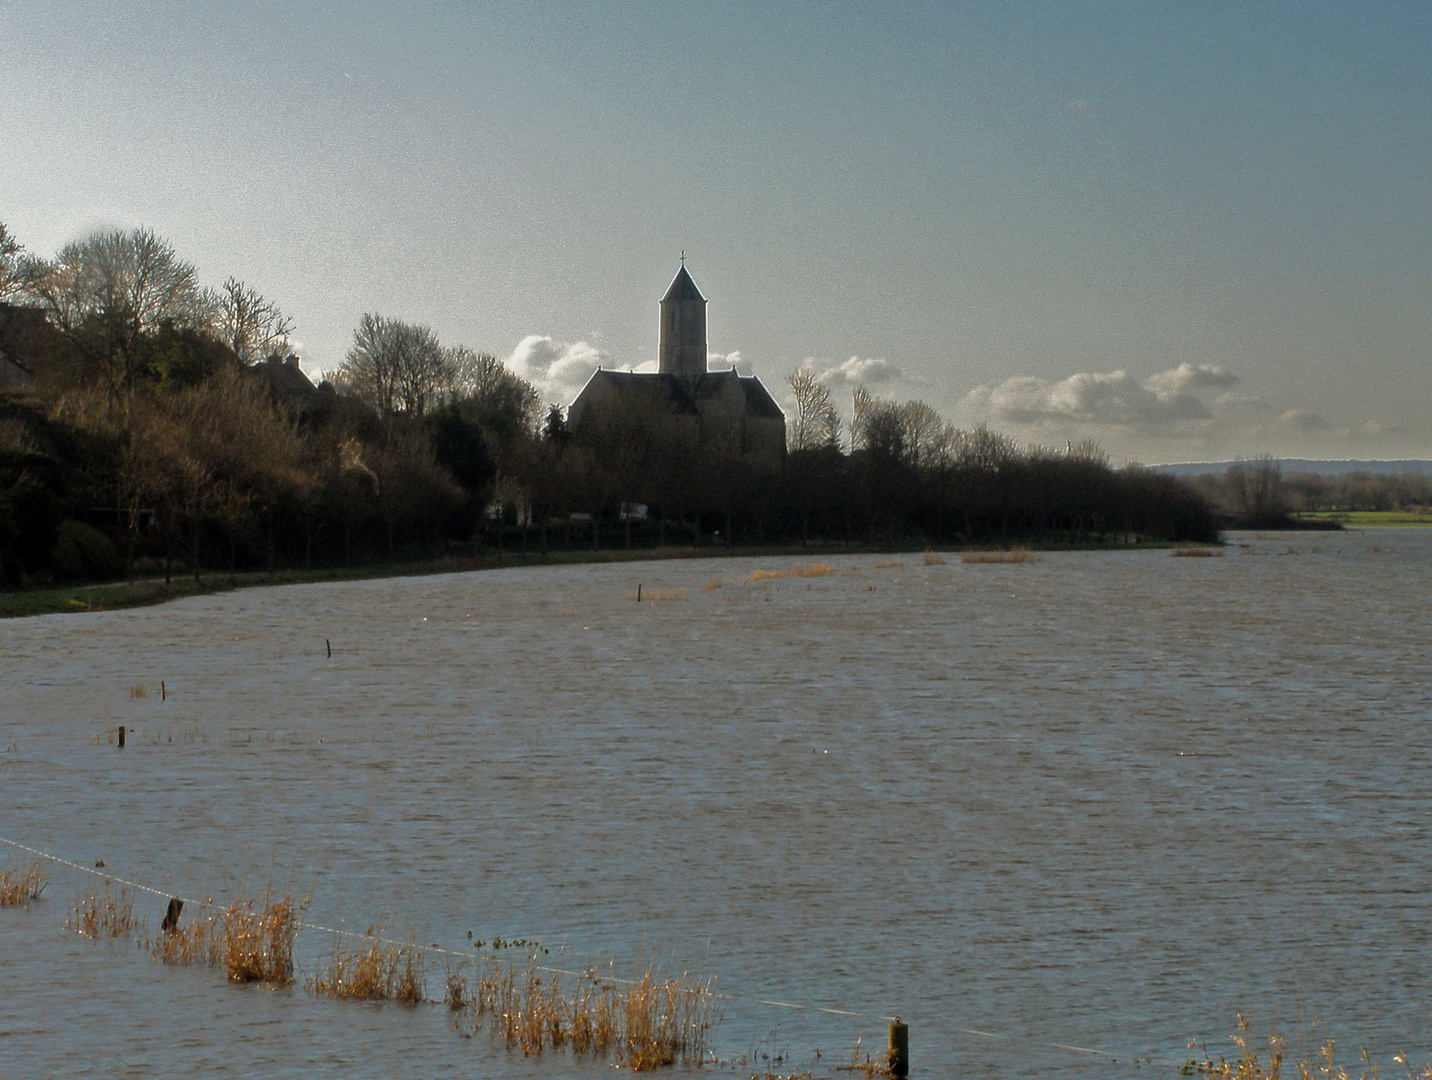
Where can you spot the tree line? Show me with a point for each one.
(148, 422)
(1255, 493)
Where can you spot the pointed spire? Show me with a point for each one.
(683, 288)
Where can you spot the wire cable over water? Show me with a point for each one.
(555, 970)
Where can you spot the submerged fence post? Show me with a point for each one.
(121, 736)
(329, 644)
(163, 693)
(638, 592)
(899, 1053)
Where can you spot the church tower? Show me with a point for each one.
(683, 329)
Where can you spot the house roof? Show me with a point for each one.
(683, 288)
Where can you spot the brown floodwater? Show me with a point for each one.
(1099, 800)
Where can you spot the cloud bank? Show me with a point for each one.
(1112, 399)
(857, 371)
(558, 369)
(1187, 410)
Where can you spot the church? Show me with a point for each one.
(722, 411)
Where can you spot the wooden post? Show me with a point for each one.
(121, 736)
(163, 692)
(330, 648)
(638, 592)
(899, 1053)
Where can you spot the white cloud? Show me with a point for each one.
(720, 361)
(857, 371)
(1301, 422)
(558, 369)
(1113, 399)
(1187, 378)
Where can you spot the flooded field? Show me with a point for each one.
(1093, 801)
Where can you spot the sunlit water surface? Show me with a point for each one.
(1101, 800)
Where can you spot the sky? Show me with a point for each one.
(1187, 231)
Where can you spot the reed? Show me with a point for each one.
(645, 1025)
(103, 913)
(376, 970)
(456, 993)
(660, 594)
(251, 942)
(819, 569)
(19, 885)
(1197, 553)
(1018, 555)
(1247, 1064)
(198, 939)
(933, 559)
(888, 565)
(712, 585)
(138, 691)
(258, 942)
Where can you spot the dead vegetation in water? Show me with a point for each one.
(819, 569)
(933, 558)
(1247, 1064)
(654, 595)
(1017, 555)
(712, 585)
(379, 970)
(1197, 553)
(106, 912)
(20, 885)
(252, 941)
(642, 1025)
(892, 565)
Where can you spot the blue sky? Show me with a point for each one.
(1188, 231)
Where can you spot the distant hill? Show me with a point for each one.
(1417, 466)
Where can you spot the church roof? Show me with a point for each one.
(674, 394)
(683, 288)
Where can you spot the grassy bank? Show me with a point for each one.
(112, 596)
(1366, 519)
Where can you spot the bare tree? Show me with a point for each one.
(1256, 487)
(986, 451)
(504, 402)
(107, 291)
(396, 367)
(876, 425)
(12, 266)
(923, 434)
(248, 323)
(816, 423)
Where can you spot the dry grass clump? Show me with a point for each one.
(19, 885)
(1018, 555)
(198, 939)
(138, 691)
(378, 970)
(456, 993)
(888, 565)
(819, 569)
(258, 943)
(1197, 553)
(103, 913)
(648, 1024)
(660, 594)
(712, 585)
(1247, 1065)
(933, 559)
(252, 943)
